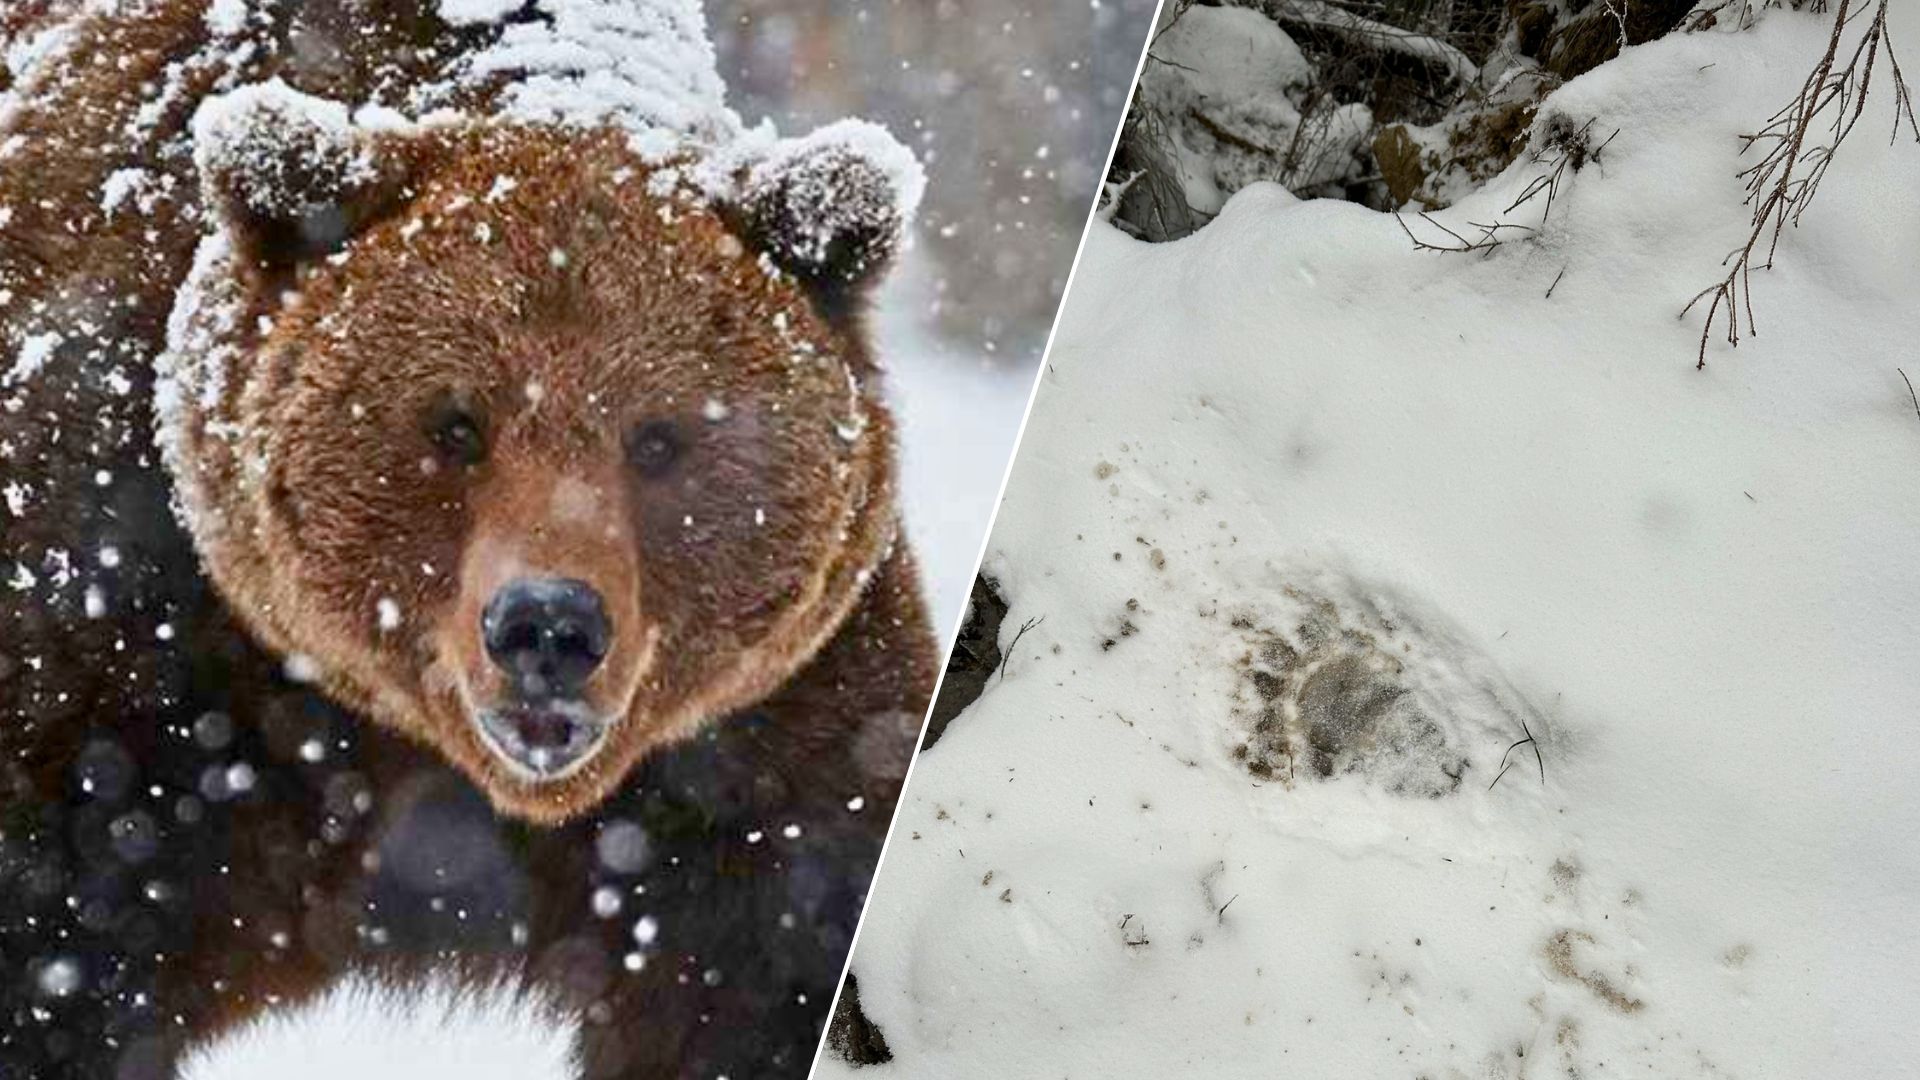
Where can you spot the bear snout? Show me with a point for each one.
(547, 635)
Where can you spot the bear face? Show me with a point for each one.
(517, 443)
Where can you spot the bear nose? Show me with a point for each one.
(547, 634)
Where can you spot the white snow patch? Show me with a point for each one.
(32, 355)
(360, 1028)
(1228, 56)
(226, 18)
(29, 56)
(476, 12)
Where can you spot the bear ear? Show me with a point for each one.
(291, 176)
(832, 208)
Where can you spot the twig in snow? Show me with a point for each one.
(1506, 764)
(1910, 394)
(1564, 148)
(1222, 913)
(1619, 14)
(1170, 63)
(1007, 656)
(1556, 282)
(1180, 11)
(1781, 185)
(1113, 192)
(1461, 245)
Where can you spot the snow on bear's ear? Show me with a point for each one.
(832, 207)
(292, 176)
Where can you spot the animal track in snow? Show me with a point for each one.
(1348, 681)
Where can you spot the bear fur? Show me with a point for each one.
(252, 256)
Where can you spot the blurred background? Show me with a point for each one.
(1012, 106)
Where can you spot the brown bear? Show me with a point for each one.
(448, 526)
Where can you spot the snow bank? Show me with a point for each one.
(1295, 489)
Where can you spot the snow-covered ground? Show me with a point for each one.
(1311, 529)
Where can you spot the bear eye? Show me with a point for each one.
(654, 447)
(457, 435)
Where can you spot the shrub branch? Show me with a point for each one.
(1800, 142)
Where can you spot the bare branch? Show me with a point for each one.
(1506, 763)
(1007, 657)
(1564, 148)
(1782, 184)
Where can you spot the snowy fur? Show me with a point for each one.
(366, 1031)
(262, 131)
(647, 66)
(847, 181)
(192, 374)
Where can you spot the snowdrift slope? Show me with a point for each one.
(1299, 500)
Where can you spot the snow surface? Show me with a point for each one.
(1290, 482)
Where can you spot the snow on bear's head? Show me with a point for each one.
(538, 449)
